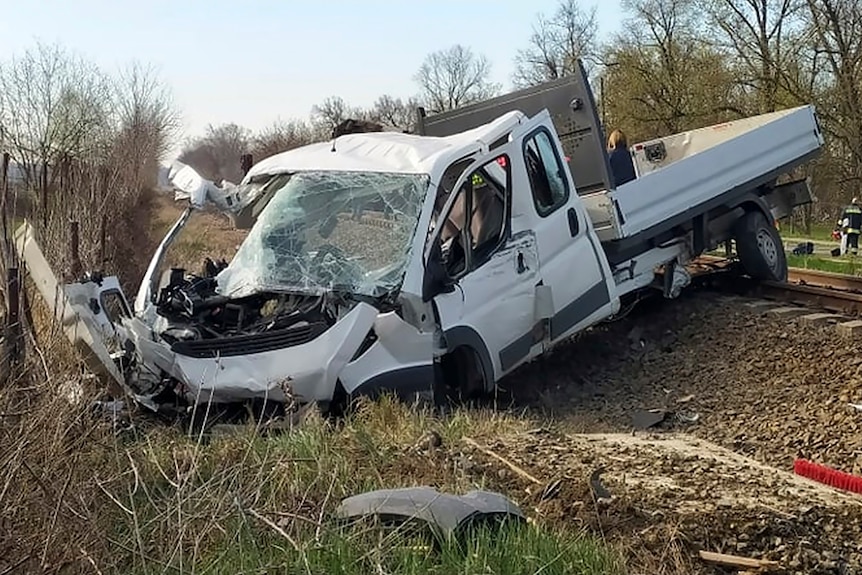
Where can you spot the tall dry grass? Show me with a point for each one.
(81, 494)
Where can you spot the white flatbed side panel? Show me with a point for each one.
(639, 272)
(672, 190)
(686, 144)
(600, 209)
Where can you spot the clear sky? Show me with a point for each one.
(255, 61)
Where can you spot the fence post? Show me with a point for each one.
(74, 243)
(102, 236)
(13, 322)
(44, 184)
(4, 211)
(4, 175)
(245, 163)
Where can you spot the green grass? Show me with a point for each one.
(843, 265)
(250, 504)
(509, 549)
(819, 232)
(155, 500)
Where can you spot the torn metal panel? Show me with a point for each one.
(144, 299)
(310, 370)
(445, 512)
(399, 348)
(78, 321)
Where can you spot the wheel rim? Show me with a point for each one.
(767, 247)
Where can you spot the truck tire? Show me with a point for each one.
(760, 248)
(463, 378)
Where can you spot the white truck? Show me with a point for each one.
(441, 260)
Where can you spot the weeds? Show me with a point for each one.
(847, 265)
(77, 497)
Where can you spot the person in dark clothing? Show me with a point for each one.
(851, 222)
(622, 166)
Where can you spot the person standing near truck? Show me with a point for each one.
(622, 165)
(851, 223)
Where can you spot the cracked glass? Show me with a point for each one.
(350, 231)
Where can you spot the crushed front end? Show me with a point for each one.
(309, 307)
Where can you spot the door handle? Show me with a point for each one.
(574, 227)
(522, 267)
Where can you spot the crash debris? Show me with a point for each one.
(446, 514)
(414, 264)
(751, 565)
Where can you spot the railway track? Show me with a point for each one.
(837, 293)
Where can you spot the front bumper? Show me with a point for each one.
(399, 359)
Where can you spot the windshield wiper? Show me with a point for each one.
(347, 292)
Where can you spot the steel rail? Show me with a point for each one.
(837, 293)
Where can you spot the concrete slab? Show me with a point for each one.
(853, 327)
(821, 318)
(789, 312)
(762, 304)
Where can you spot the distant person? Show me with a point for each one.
(851, 223)
(622, 165)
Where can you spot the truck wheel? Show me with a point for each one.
(463, 378)
(760, 248)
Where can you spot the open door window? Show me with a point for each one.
(472, 225)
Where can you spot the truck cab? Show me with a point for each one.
(513, 263)
(440, 260)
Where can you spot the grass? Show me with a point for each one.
(207, 233)
(154, 500)
(819, 232)
(511, 549)
(847, 265)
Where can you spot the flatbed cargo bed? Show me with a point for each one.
(686, 181)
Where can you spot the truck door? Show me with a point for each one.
(101, 304)
(574, 267)
(480, 275)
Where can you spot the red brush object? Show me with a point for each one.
(828, 476)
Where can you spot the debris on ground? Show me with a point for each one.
(764, 391)
(644, 419)
(670, 494)
(448, 514)
(736, 561)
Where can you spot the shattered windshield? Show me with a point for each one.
(330, 230)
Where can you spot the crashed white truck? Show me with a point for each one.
(442, 260)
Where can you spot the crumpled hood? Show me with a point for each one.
(308, 370)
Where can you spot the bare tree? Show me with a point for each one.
(216, 155)
(146, 119)
(837, 27)
(332, 112)
(454, 77)
(280, 137)
(556, 44)
(763, 37)
(660, 77)
(395, 112)
(92, 140)
(53, 105)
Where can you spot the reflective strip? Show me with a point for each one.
(852, 231)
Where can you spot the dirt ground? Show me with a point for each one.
(746, 394)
